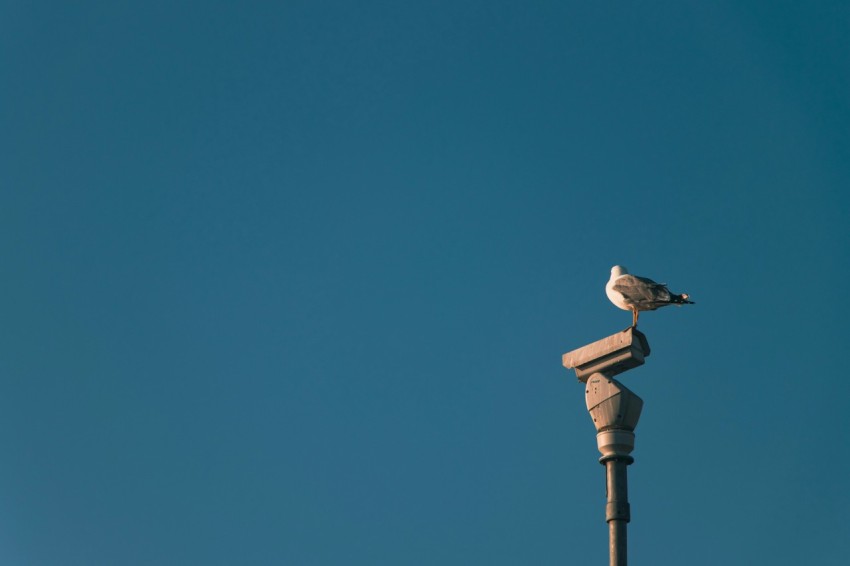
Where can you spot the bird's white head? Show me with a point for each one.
(618, 270)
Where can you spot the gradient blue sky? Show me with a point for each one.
(289, 283)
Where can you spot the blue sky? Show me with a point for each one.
(289, 283)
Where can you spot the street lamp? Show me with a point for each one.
(615, 411)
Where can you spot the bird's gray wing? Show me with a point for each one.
(642, 292)
(648, 281)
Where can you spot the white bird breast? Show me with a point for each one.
(615, 296)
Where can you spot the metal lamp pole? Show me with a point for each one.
(615, 411)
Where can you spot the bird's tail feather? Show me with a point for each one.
(681, 299)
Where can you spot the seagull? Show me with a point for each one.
(633, 293)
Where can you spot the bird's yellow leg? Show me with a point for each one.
(634, 318)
